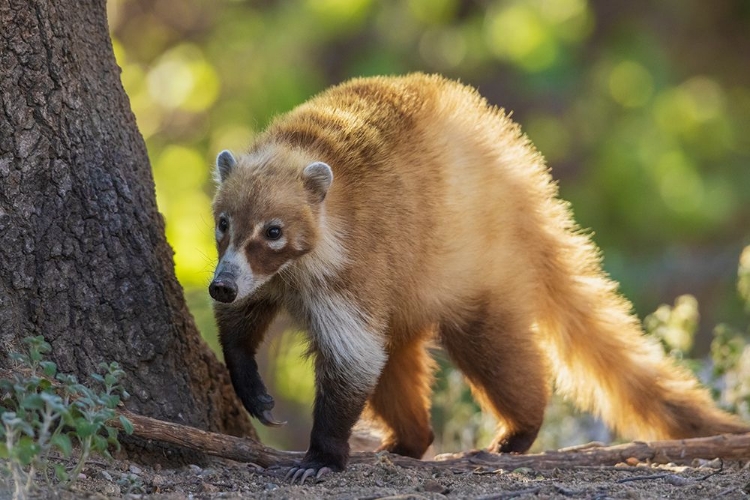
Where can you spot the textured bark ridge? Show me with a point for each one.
(83, 258)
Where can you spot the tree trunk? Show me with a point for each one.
(83, 257)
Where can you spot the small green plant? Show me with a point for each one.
(45, 413)
(675, 326)
(729, 378)
(730, 353)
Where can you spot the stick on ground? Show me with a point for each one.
(683, 451)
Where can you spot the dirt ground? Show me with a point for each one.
(225, 479)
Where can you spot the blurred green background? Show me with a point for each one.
(642, 110)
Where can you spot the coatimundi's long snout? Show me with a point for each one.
(223, 287)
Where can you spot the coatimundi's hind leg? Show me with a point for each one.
(401, 400)
(496, 351)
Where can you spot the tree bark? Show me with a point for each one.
(83, 257)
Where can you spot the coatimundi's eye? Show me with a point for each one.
(273, 232)
(223, 224)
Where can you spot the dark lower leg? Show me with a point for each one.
(340, 398)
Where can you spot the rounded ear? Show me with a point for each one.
(225, 163)
(317, 178)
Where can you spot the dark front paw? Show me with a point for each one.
(248, 385)
(260, 407)
(325, 455)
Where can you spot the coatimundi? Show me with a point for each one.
(388, 212)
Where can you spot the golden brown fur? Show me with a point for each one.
(443, 222)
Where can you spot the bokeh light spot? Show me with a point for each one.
(680, 185)
(182, 78)
(517, 33)
(630, 84)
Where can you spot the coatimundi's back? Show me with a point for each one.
(387, 212)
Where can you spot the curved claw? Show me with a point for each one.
(290, 472)
(322, 472)
(302, 473)
(267, 419)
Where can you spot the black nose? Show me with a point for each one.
(223, 290)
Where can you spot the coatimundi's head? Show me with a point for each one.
(266, 213)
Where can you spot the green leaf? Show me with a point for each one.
(60, 473)
(49, 368)
(45, 385)
(35, 355)
(53, 400)
(9, 417)
(27, 387)
(37, 343)
(32, 402)
(65, 379)
(112, 401)
(81, 389)
(127, 426)
(12, 420)
(26, 450)
(4, 451)
(16, 356)
(105, 414)
(84, 402)
(63, 443)
(69, 417)
(84, 428)
(111, 433)
(26, 428)
(99, 443)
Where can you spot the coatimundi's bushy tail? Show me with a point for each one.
(601, 358)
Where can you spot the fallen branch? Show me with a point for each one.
(684, 451)
(210, 443)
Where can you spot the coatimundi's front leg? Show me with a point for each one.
(349, 356)
(241, 330)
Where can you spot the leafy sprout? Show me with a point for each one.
(46, 414)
